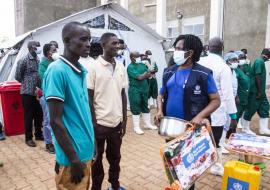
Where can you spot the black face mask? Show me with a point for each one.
(33, 53)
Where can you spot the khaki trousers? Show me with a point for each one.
(63, 178)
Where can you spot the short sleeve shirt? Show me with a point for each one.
(67, 83)
(175, 89)
(134, 70)
(107, 84)
(258, 68)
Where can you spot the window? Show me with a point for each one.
(97, 22)
(172, 32)
(117, 25)
(172, 29)
(196, 29)
(194, 25)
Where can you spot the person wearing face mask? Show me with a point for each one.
(232, 61)
(244, 50)
(257, 97)
(27, 75)
(48, 51)
(242, 61)
(153, 87)
(188, 89)
(223, 78)
(138, 92)
(56, 54)
(243, 88)
(246, 66)
(120, 53)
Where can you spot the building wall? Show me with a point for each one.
(245, 25)
(146, 14)
(244, 20)
(19, 16)
(189, 8)
(31, 14)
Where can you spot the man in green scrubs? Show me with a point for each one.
(246, 66)
(257, 99)
(138, 92)
(243, 79)
(153, 87)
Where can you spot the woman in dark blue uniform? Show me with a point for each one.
(188, 89)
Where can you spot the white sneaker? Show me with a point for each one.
(217, 169)
(224, 150)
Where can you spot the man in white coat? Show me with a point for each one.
(223, 77)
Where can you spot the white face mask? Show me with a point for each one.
(234, 65)
(55, 56)
(144, 62)
(38, 50)
(120, 52)
(242, 62)
(179, 57)
(138, 60)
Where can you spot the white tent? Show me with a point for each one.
(106, 18)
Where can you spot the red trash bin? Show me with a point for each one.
(12, 108)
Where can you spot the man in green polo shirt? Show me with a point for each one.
(257, 96)
(48, 51)
(138, 92)
(64, 87)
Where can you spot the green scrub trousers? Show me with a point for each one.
(138, 101)
(153, 88)
(242, 91)
(261, 106)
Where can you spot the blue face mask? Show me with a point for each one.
(179, 57)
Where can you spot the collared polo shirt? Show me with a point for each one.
(107, 85)
(67, 83)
